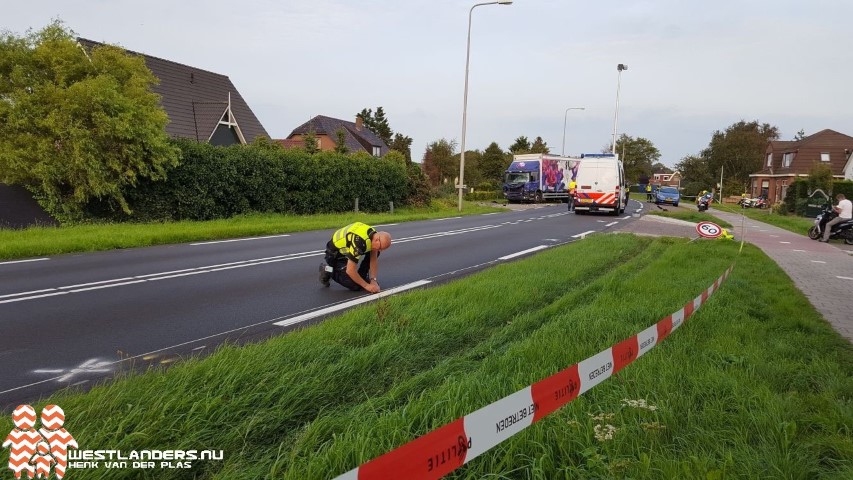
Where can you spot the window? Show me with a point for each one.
(787, 159)
(376, 151)
(824, 156)
(769, 159)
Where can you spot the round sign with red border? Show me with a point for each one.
(708, 229)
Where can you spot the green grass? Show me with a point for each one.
(690, 216)
(799, 225)
(37, 241)
(755, 385)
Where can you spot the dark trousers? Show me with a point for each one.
(338, 263)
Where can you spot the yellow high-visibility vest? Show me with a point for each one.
(353, 241)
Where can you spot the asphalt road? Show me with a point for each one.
(74, 320)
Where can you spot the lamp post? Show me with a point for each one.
(619, 67)
(465, 98)
(565, 117)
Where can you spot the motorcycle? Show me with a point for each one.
(703, 201)
(758, 202)
(843, 230)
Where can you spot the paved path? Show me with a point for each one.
(823, 272)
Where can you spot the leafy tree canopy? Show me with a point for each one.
(539, 146)
(77, 125)
(493, 163)
(520, 146)
(739, 151)
(440, 163)
(637, 154)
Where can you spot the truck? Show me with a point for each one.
(536, 177)
(601, 184)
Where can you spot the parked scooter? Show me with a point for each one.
(842, 231)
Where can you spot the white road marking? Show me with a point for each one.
(358, 301)
(818, 261)
(523, 252)
(843, 278)
(386, 225)
(625, 218)
(785, 242)
(239, 239)
(27, 293)
(493, 213)
(24, 261)
(442, 219)
(611, 224)
(581, 235)
(89, 366)
(799, 250)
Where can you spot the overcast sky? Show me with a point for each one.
(693, 67)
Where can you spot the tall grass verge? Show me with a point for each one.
(755, 385)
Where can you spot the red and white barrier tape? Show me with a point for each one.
(443, 450)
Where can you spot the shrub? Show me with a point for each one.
(219, 182)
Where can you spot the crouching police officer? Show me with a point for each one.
(344, 251)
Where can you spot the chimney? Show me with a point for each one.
(358, 122)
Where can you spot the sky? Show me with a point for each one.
(693, 67)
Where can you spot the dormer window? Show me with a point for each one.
(787, 158)
(769, 159)
(376, 151)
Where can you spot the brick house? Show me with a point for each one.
(356, 137)
(664, 179)
(785, 161)
(201, 105)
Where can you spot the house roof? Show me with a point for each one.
(356, 139)
(195, 99)
(807, 151)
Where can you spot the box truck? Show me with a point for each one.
(601, 184)
(536, 177)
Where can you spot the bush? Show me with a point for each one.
(487, 195)
(797, 196)
(219, 182)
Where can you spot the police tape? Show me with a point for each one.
(441, 451)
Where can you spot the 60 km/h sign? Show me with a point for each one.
(708, 229)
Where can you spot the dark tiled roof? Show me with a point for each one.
(195, 99)
(356, 140)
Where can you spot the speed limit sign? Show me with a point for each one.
(708, 229)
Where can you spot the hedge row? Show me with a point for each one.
(220, 182)
(797, 196)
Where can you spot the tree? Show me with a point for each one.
(820, 177)
(493, 163)
(77, 126)
(539, 146)
(738, 151)
(660, 168)
(311, 142)
(377, 123)
(800, 135)
(341, 141)
(439, 164)
(473, 176)
(521, 146)
(637, 154)
(695, 175)
(402, 144)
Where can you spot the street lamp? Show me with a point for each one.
(619, 67)
(566, 116)
(465, 98)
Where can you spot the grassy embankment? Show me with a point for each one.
(799, 225)
(37, 241)
(755, 385)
